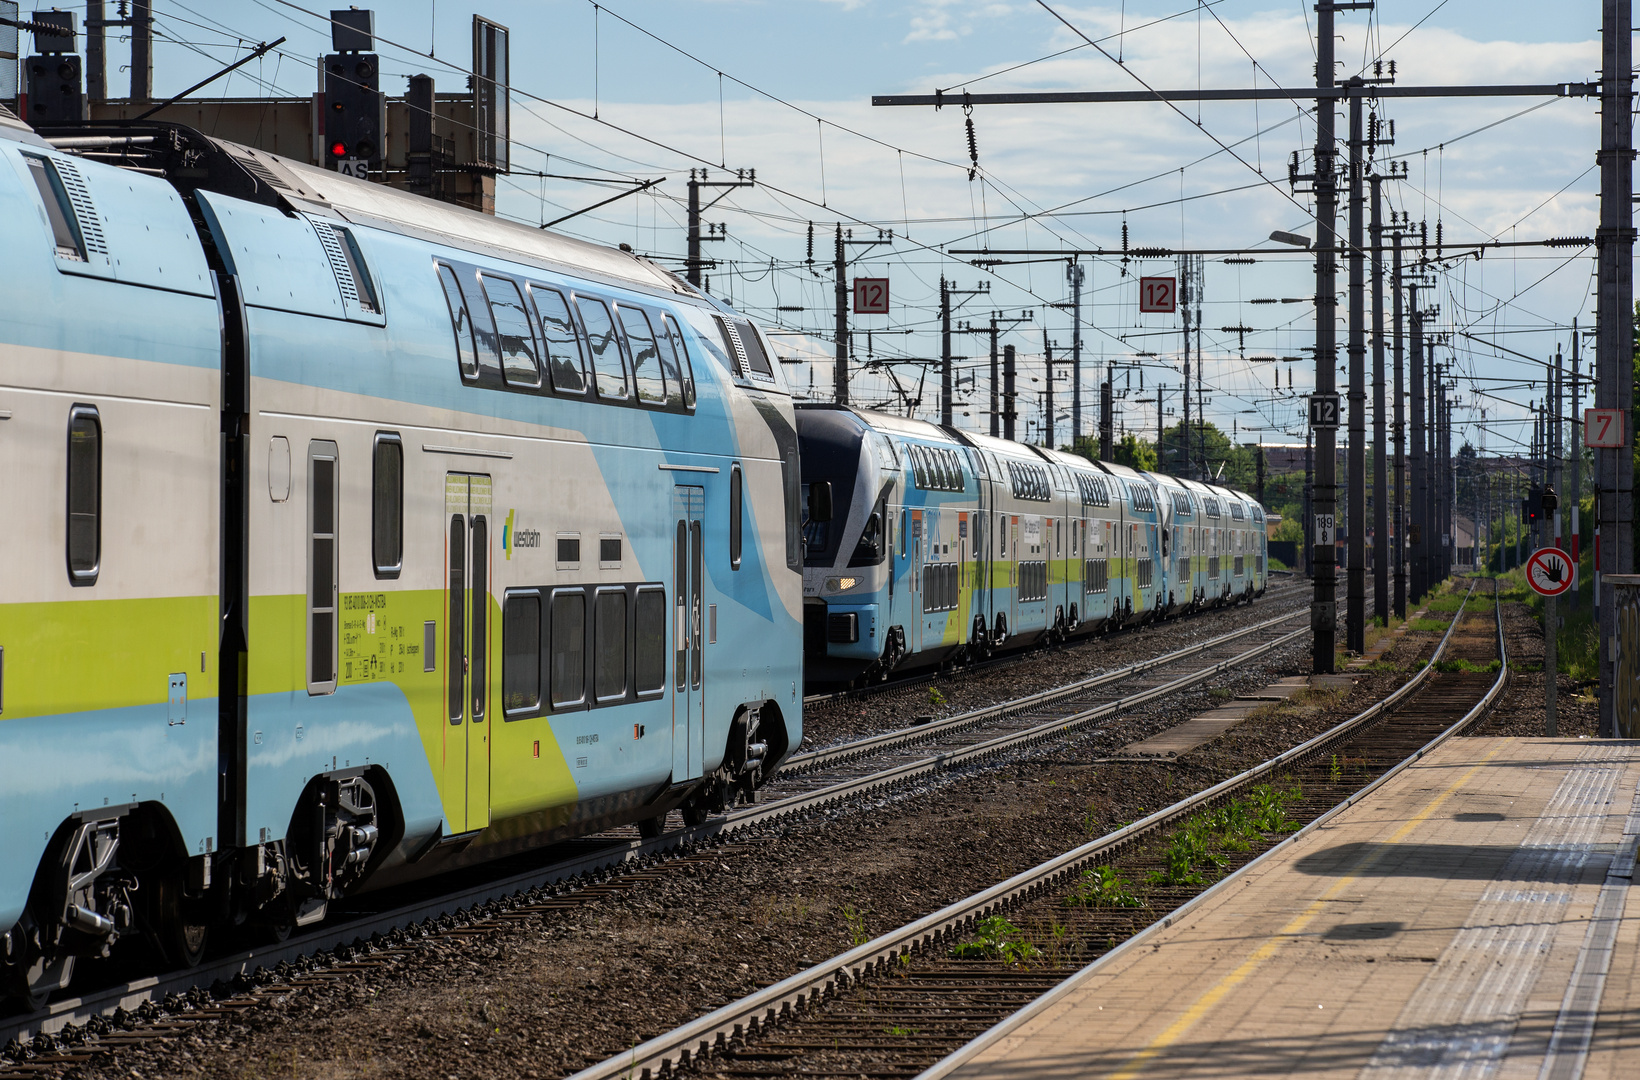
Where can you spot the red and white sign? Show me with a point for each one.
(1158, 295)
(1550, 571)
(871, 296)
(1603, 429)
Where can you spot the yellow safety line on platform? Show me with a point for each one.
(1204, 1004)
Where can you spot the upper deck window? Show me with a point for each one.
(647, 371)
(462, 320)
(563, 348)
(609, 366)
(514, 333)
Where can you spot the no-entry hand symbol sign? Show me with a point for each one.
(1550, 571)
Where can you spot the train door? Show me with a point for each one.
(964, 581)
(688, 605)
(467, 509)
(916, 577)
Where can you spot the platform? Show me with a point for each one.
(1471, 917)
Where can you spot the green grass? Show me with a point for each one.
(996, 938)
(1489, 668)
(1432, 626)
(1196, 849)
(1102, 887)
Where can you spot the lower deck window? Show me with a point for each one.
(569, 642)
(521, 653)
(609, 659)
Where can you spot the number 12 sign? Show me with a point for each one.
(1158, 294)
(871, 296)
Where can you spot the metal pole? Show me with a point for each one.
(1324, 606)
(996, 418)
(1400, 558)
(1355, 619)
(1614, 381)
(691, 265)
(1380, 463)
(1184, 310)
(1577, 467)
(945, 358)
(96, 52)
(1047, 359)
(1008, 392)
(1419, 530)
(142, 50)
(1073, 273)
(1309, 501)
(840, 373)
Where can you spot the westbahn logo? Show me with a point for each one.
(512, 537)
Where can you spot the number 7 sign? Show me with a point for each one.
(1157, 294)
(1603, 429)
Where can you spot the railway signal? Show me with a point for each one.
(355, 110)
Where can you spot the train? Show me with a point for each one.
(363, 538)
(945, 545)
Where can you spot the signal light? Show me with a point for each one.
(338, 149)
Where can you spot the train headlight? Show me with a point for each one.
(841, 584)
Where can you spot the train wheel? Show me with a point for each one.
(178, 925)
(650, 828)
(29, 985)
(695, 813)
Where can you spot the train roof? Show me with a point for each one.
(1005, 447)
(1123, 471)
(887, 423)
(191, 160)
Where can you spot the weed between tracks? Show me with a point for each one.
(1195, 852)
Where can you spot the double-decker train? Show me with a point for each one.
(359, 537)
(945, 544)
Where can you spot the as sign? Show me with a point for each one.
(1603, 429)
(871, 296)
(1324, 410)
(1158, 295)
(1550, 571)
(354, 166)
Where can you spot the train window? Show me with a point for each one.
(455, 633)
(649, 639)
(608, 365)
(563, 352)
(514, 333)
(732, 346)
(646, 358)
(387, 505)
(736, 483)
(609, 655)
(569, 552)
(84, 495)
(680, 374)
(1002, 532)
(753, 346)
(479, 589)
(462, 320)
(569, 642)
(354, 258)
(322, 509)
(904, 532)
(609, 552)
(65, 227)
(791, 481)
(521, 654)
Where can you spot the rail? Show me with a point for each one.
(685, 1044)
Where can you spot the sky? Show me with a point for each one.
(639, 89)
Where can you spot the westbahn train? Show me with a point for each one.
(945, 544)
(360, 537)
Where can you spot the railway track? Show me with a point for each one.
(159, 1006)
(900, 1003)
(1292, 586)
